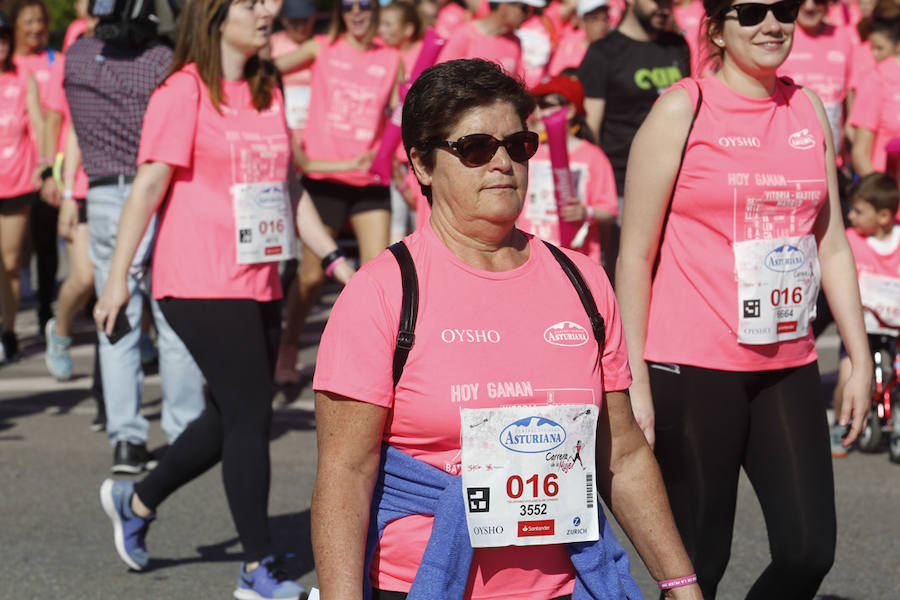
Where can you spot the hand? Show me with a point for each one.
(687, 592)
(68, 219)
(50, 192)
(856, 402)
(642, 407)
(343, 272)
(113, 299)
(364, 161)
(575, 211)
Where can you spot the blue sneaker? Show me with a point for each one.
(128, 528)
(57, 357)
(268, 581)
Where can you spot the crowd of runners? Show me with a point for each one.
(721, 175)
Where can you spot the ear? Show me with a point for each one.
(884, 217)
(421, 171)
(408, 30)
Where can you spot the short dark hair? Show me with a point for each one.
(889, 28)
(879, 190)
(442, 93)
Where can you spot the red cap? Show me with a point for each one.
(567, 87)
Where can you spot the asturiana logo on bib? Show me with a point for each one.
(802, 140)
(785, 258)
(566, 333)
(271, 196)
(532, 435)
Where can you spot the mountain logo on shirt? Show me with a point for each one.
(566, 333)
(802, 140)
(532, 435)
(785, 258)
(271, 196)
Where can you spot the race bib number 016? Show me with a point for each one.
(264, 228)
(528, 474)
(778, 283)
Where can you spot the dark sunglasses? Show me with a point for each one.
(362, 4)
(552, 101)
(754, 13)
(479, 148)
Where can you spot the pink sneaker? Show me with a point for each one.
(286, 368)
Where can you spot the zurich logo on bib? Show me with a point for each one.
(785, 258)
(532, 435)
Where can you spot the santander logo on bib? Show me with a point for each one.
(802, 140)
(785, 258)
(566, 333)
(532, 435)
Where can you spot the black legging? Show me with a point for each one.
(711, 423)
(234, 343)
(43, 237)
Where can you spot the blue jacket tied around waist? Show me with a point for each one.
(408, 486)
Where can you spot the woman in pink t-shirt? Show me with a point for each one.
(501, 333)
(354, 85)
(718, 275)
(20, 117)
(214, 136)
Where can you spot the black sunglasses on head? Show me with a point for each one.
(754, 13)
(478, 149)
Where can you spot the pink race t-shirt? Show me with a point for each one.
(481, 341)
(468, 42)
(863, 64)
(538, 40)
(449, 18)
(877, 108)
(17, 150)
(754, 170)
(55, 99)
(38, 65)
(823, 63)
(881, 258)
(296, 85)
(196, 249)
(348, 108)
(569, 53)
(595, 185)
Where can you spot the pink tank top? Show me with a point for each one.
(754, 170)
(348, 106)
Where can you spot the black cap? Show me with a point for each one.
(298, 9)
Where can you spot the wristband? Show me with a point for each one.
(67, 195)
(589, 212)
(331, 257)
(668, 584)
(46, 173)
(329, 270)
(47, 161)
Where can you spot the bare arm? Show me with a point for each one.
(313, 232)
(631, 484)
(36, 115)
(312, 165)
(50, 191)
(861, 152)
(146, 194)
(68, 209)
(298, 58)
(842, 291)
(594, 108)
(652, 166)
(349, 435)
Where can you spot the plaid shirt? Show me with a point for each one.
(108, 87)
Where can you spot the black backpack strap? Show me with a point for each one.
(409, 309)
(584, 293)
(662, 233)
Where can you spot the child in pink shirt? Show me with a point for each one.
(298, 18)
(596, 202)
(875, 241)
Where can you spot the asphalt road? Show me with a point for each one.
(55, 540)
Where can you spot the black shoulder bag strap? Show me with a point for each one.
(662, 233)
(409, 309)
(584, 293)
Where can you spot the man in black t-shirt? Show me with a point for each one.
(623, 74)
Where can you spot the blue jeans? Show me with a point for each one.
(120, 363)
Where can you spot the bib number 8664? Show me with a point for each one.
(515, 486)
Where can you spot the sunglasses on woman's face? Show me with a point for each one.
(362, 4)
(754, 13)
(479, 148)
